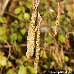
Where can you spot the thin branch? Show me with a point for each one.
(8, 46)
(13, 15)
(1, 70)
(68, 34)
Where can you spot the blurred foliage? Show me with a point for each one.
(16, 35)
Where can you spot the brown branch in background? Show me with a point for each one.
(67, 43)
(15, 16)
(1, 70)
(11, 10)
(8, 46)
(3, 4)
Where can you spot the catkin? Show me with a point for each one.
(31, 37)
(37, 50)
(57, 20)
(37, 45)
(31, 32)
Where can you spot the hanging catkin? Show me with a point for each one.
(37, 45)
(57, 20)
(33, 38)
(31, 32)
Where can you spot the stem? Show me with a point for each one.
(8, 46)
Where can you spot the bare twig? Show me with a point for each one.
(13, 15)
(8, 46)
(67, 34)
(67, 41)
(1, 70)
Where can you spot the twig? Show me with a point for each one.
(65, 52)
(68, 34)
(13, 15)
(8, 46)
(1, 70)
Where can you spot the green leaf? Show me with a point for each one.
(63, 16)
(17, 10)
(23, 31)
(20, 3)
(13, 29)
(24, 58)
(29, 5)
(16, 21)
(3, 34)
(14, 36)
(19, 62)
(49, 40)
(60, 66)
(20, 16)
(9, 71)
(9, 64)
(66, 58)
(47, 34)
(45, 66)
(19, 37)
(61, 38)
(22, 70)
(2, 30)
(31, 70)
(3, 37)
(18, 49)
(2, 19)
(23, 9)
(54, 5)
(22, 24)
(3, 60)
(52, 64)
(26, 16)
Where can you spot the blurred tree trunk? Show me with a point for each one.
(3, 4)
(11, 10)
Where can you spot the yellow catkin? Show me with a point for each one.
(37, 50)
(37, 45)
(57, 21)
(31, 32)
(31, 37)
